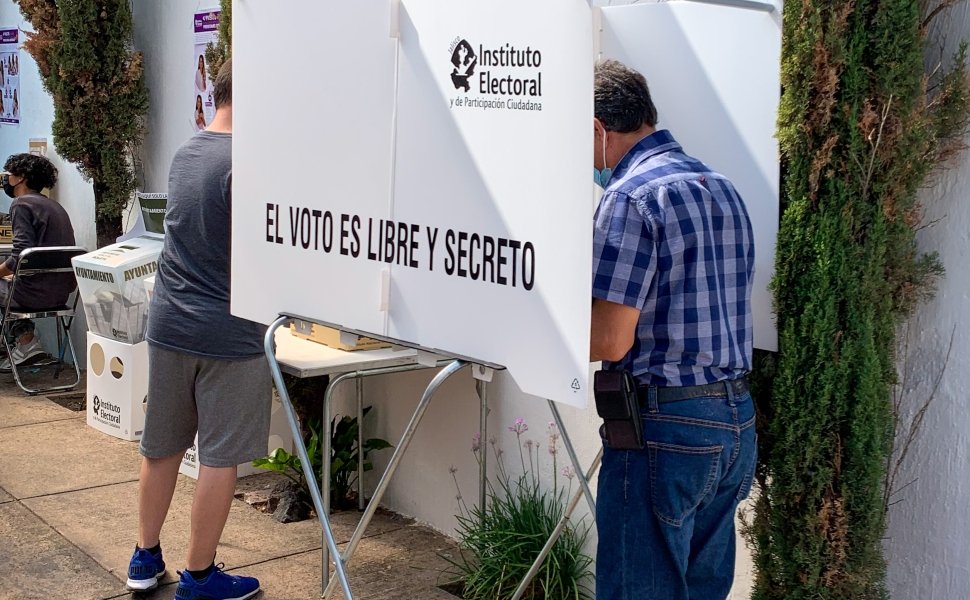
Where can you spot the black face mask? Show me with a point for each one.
(7, 187)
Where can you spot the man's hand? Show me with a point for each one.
(614, 327)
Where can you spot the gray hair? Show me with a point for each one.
(621, 98)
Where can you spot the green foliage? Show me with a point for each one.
(344, 453)
(83, 49)
(498, 543)
(345, 456)
(218, 53)
(861, 128)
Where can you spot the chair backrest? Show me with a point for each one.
(49, 259)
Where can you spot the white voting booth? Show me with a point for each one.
(450, 145)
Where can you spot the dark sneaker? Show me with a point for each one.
(217, 586)
(144, 570)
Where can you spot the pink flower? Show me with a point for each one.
(476, 442)
(568, 472)
(529, 444)
(519, 427)
(553, 437)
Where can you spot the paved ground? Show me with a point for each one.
(68, 518)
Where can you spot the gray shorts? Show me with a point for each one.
(227, 401)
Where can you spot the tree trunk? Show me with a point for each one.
(107, 226)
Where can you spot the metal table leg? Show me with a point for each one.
(311, 477)
(482, 388)
(360, 443)
(393, 464)
(577, 467)
(325, 443)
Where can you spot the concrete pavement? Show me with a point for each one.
(68, 518)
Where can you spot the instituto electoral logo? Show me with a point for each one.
(500, 77)
(106, 412)
(463, 58)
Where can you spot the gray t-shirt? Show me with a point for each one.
(190, 307)
(37, 222)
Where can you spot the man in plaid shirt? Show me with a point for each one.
(673, 265)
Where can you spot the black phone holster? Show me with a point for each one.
(619, 407)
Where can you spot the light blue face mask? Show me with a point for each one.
(602, 177)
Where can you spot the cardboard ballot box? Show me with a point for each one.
(117, 387)
(280, 436)
(112, 290)
(333, 338)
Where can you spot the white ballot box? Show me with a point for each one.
(280, 436)
(112, 290)
(117, 387)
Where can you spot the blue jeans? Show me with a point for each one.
(665, 514)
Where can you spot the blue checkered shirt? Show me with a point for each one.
(672, 238)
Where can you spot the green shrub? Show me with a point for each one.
(863, 123)
(499, 542)
(344, 454)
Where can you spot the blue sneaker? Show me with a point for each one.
(144, 570)
(217, 586)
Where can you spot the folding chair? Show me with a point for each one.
(38, 262)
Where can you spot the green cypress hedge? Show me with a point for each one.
(861, 127)
(83, 49)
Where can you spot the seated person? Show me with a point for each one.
(37, 221)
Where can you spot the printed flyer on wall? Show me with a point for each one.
(10, 77)
(206, 25)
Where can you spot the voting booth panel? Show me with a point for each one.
(447, 197)
(304, 159)
(506, 134)
(714, 75)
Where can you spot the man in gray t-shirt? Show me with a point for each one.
(207, 372)
(37, 222)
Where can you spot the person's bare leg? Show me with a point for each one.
(210, 508)
(156, 485)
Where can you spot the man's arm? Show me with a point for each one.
(24, 237)
(614, 328)
(624, 263)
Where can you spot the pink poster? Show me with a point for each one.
(10, 99)
(206, 27)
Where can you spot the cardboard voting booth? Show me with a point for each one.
(112, 290)
(334, 338)
(280, 436)
(117, 386)
(453, 215)
(451, 212)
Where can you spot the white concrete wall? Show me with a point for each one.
(164, 33)
(927, 544)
